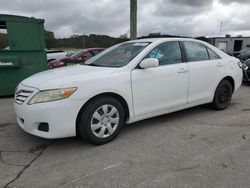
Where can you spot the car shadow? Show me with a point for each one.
(131, 131)
(170, 117)
(146, 124)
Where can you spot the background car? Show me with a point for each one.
(55, 54)
(246, 70)
(244, 57)
(244, 54)
(83, 55)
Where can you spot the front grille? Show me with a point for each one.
(22, 95)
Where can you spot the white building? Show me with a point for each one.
(231, 44)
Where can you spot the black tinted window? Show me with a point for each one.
(167, 53)
(212, 54)
(87, 54)
(96, 51)
(196, 51)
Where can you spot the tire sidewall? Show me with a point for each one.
(217, 105)
(84, 126)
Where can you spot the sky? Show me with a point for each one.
(190, 18)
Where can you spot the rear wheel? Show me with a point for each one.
(223, 95)
(101, 120)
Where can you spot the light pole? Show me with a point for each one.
(133, 19)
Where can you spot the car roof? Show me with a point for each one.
(89, 49)
(164, 39)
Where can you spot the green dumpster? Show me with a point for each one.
(25, 54)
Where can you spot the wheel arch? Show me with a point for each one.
(110, 94)
(231, 80)
(228, 78)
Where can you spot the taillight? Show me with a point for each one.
(242, 65)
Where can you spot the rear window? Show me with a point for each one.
(212, 54)
(196, 51)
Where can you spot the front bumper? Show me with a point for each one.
(60, 116)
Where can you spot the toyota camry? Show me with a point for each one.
(126, 83)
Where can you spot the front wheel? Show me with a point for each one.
(223, 95)
(101, 120)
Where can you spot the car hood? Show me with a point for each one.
(66, 76)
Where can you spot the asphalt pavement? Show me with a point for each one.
(197, 147)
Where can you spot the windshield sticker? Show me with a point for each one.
(140, 44)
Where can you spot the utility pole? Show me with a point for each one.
(83, 42)
(133, 19)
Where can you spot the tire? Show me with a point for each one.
(101, 113)
(223, 95)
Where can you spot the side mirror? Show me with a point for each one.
(149, 63)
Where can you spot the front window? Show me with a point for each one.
(86, 55)
(77, 55)
(167, 53)
(119, 56)
(95, 52)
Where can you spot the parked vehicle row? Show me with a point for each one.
(55, 54)
(126, 83)
(80, 56)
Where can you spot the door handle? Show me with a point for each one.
(219, 65)
(182, 70)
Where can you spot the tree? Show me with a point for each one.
(50, 39)
(154, 35)
(124, 36)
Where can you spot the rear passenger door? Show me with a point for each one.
(205, 68)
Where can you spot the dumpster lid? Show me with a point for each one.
(11, 17)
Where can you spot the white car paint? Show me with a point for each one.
(55, 54)
(147, 92)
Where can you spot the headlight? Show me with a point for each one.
(52, 95)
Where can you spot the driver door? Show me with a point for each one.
(161, 87)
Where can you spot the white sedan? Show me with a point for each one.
(126, 83)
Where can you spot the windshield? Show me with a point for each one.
(119, 56)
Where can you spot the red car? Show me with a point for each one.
(83, 55)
